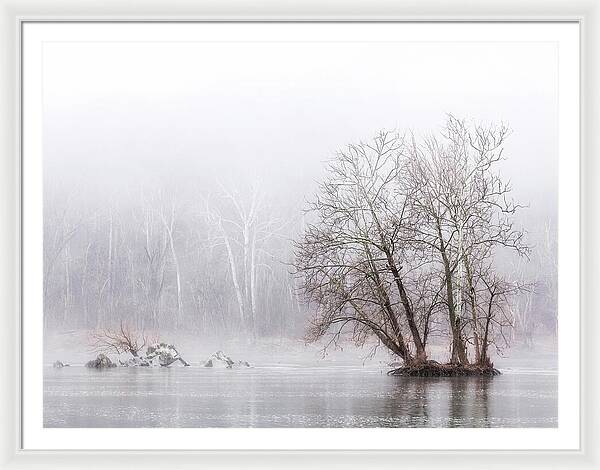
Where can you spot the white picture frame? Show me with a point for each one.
(16, 13)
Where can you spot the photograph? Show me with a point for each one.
(299, 226)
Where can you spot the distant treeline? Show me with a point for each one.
(215, 263)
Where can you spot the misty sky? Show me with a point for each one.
(120, 114)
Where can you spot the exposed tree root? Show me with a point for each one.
(435, 369)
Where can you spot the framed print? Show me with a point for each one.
(327, 236)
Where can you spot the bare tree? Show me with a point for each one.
(495, 317)
(243, 225)
(462, 212)
(349, 262)
(59, 229)
(120, 340)
(169, 225)
(403, 230)
(150, 275)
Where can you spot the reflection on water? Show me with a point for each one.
(293, 397)
(448, 402)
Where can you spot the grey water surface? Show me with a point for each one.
(293, 396)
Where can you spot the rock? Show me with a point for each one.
(59, 365)
(157, 355)
(164, 355)
(220, 360)
(101, 362)
(134, 362)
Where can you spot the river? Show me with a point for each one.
(294, 396)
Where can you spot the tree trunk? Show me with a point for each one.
(473, 304)
(84, 277)
(169, 229)
(234, 277)
(253, 283)
(408, 311)
(67, 297)
(400, 348)
(459, 353)
(485, 343)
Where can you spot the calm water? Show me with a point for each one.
(281, 396)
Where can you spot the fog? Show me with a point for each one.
(148, 146)
(115, 112)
